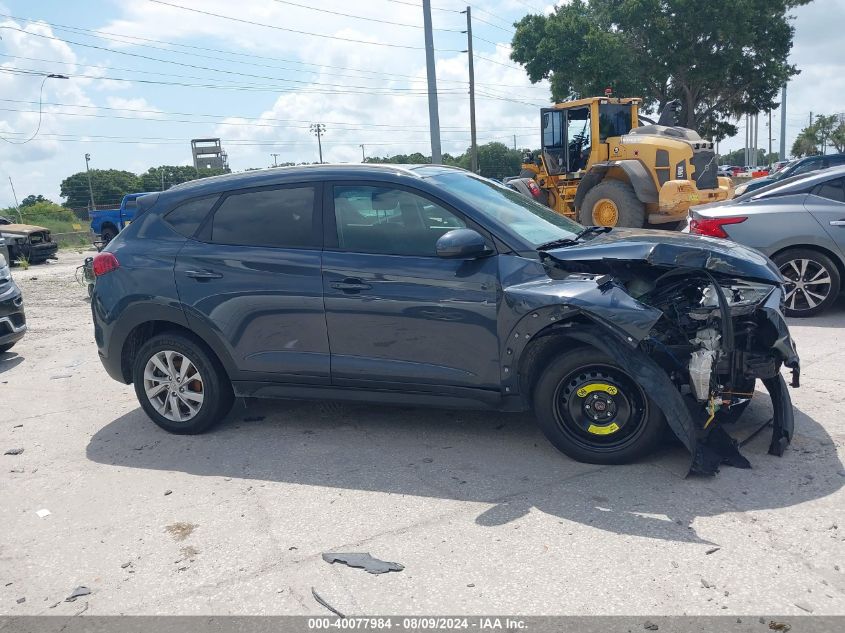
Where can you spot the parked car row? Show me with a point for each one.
(12, 317)
(431, 285)
(799, 222)
(804, 165)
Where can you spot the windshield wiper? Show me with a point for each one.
(570, 241)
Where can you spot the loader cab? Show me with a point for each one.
(574, 134)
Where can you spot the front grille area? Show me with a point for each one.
(704, 163)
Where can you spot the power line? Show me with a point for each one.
(354, 124)
(40, 109)
(297, 31)
(360, 17)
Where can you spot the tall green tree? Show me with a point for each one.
(720, 59)
(826, 131)
(170, 175)
(109, 185)
(32, 199)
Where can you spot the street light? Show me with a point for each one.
(90, 188)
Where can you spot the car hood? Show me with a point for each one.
(22, 229)
(671, 250)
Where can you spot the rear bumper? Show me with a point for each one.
(41, 252)
(12, 317)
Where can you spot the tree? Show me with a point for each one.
(737, 157)
(170, 175)
(497, 160)
(816, 137)
(33, 199)
(109, 185)
(721, 61)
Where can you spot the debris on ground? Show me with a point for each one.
(363, 561)
(651, 626)
(779, 626)
(319, 599)
(712, 550)
(168, 492)
(78, 593)
(125, 565)
(14, 451)
(44, 512)
(707, 584)
(60, 376)
(20, 600)
(803, 606)
(181, 530)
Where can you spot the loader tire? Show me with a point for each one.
(612, 203)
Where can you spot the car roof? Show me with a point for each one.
(796, 184)
(273, 175)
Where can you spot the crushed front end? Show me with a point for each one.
(698, 321)
(716, 337)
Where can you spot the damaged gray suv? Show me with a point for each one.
(428, 285)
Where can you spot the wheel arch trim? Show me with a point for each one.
(638, 175)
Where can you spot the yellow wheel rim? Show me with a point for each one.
(605, 213)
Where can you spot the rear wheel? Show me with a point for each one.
(180, 386)
(612, 203)
(812, 281)
(108, 234)
(594, 411)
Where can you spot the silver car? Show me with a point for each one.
(799, 223)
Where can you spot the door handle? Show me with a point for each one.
(202, 275)
(837, 223)
(351, 284)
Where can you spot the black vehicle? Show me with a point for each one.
(12, 317)
(795, 168)
(428, 285)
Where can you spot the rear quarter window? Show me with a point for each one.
(186, 218)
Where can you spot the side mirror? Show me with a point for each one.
(462, 244)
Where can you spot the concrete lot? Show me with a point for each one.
(485, 515)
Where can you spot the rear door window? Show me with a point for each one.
(281, 217)
(832, 190)
(187, 217)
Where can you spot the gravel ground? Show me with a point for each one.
(483, 513)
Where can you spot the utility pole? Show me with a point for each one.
(474, 140)
(363, 154)
(747, 129)
(275, 162)
(433, 115)
(318, 129)
(90, 187)
(769, 157)
(17, 208)
(756, 139)
(161, 171)
(783, 123)
(514, 142)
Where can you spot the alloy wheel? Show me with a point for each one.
(808, 284)
(173, 385)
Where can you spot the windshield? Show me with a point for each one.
(533, 222)
(614, 120)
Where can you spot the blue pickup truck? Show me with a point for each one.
(109, 222)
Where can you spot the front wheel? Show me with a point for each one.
(812, 281)
(594, 411)
(180, 386)
(108, 234)
(612, 203)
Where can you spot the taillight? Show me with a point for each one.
(713, 226)
(105, 263)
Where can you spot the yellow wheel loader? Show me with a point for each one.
(601, 166)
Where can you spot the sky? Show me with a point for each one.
(146, 76)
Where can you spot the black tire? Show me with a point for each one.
(630, 211)
(5, 348)
(799, 300)
(108, 234)
(638, 423)
(216, 388)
